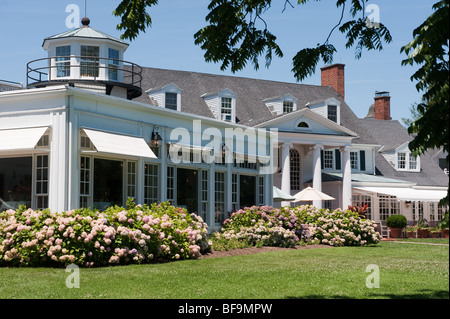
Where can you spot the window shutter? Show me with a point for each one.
(321, 159)
(337, 155)
(362, 160)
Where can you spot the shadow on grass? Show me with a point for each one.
(421, 294)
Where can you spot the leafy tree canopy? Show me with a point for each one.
(237, 33)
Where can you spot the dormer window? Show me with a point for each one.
(288, 107)
(332, 113)
(171, 101)
(226, 109)
(168, 96)
(222, 104)
(406, 161)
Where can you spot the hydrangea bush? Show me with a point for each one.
(338, 227)
(116, 236)
(286, 227)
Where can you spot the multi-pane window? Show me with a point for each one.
(401, 160)
(294, 160)
(234, 190)
(85, 180)
(150, 183)
(412, 162)
(226, 109)
(113, 64)
(354, 160)
(131, 179)
(288, 107)
(89, 61)
(361, 200)
(41, 181)
(171, 184)
(328, 159)
(204, 179)
(418, 211)
(261, 190)
(171, 101)
(389, 205)
(332, 113)
(219, 197)
(63, 61)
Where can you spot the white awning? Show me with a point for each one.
(112, 143)
(20, 139)
(407, 193)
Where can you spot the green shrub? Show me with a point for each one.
(396, 221)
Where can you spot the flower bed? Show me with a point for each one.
(286, 227)
(90, 238)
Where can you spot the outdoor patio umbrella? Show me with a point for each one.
(280, 196)
(311, 194)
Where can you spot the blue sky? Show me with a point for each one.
(169, 43)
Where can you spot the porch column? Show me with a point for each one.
(286, 171)
(317, 172)
(346, 178)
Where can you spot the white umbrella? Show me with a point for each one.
(280, 196)
(311, 194)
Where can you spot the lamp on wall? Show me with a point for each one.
(156, 138)
(407, 203)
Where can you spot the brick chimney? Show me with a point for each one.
(334, 75)
(382, 105)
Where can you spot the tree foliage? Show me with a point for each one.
(237, 33)
(429, 50)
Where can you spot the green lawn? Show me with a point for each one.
(406, 271)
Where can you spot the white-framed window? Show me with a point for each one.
(85, 181)
(151, 185)
(235, 191)
(171, 101)
(332, 113)
(131, 179)
(41, 191)
(361, 200)
(63, 61)
(204, 196)
(113, 64)
(354, 160)
(328, 159)
(401, 160)
(406, 161)
(412, 162)
(219, 197)
(288, 106)
(89, 65)
(261, 190)
(389, 205)
(226, 109)
(294, 161)
(171, 183)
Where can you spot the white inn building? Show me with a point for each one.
(90, 129)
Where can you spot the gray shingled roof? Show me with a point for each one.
(251, 110)
(250, 93)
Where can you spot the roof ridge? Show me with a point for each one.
(234, 76)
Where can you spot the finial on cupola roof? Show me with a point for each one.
(85, 21)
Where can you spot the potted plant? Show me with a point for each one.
(411, 231)
(422, 230)
(443, 224)
(396, 223)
